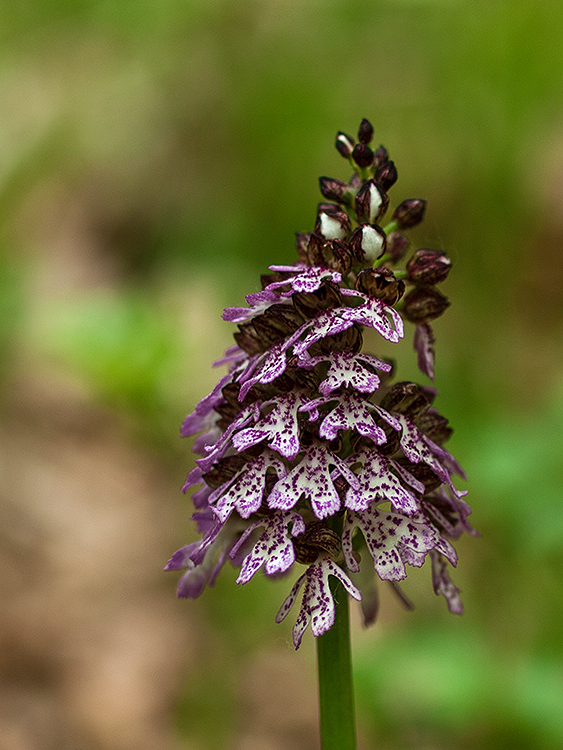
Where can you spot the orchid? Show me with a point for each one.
(311, 454)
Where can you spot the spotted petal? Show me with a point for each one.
(392, 539)
(377, 483)
(312, 478)
(258, 302)
(377, 315)
(317, 606)
(274, 549)
(305, 278)
(347, 368)
(352, 412)
(246, 489)
(279, 427)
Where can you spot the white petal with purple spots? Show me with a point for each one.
(274, 549)
(279, 427)
(317, 606)
(377, 484)
(312, 478)
(245, 490)
(393, 540)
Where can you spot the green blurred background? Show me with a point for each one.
(155, 157)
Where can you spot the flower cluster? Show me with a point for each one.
(310, 453)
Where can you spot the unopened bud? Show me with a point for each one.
(310, 304)
(224, 470)
(367, 243)
(422, 472)
(333, 254)
(362, 155)
(380, 283)
(409, 213)
(332, 221)
(386, 176)
(344, 144)
(371, 203)
(380, 157)
(316, 539)
(424, 304)
(405, 398)
(365, 131)
(397, 246)
(336, 190)
(277, 323)
(428, 267)
(434, 426)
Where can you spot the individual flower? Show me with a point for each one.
(310, 454)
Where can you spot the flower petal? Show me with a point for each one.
(317, 606)
(312, 478)
(377, 483)
(274, 549)
(392, 539)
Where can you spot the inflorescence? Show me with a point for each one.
(311, 455)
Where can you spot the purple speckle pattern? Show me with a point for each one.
(347, 369)
(317, 605)
(309, 453)
(279, 427)
(304, 278)
(274, 548)
(376, 483)
(392, 539)
(351, 412)
(313, 479)
(244, 492)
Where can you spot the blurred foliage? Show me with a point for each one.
(156, 156)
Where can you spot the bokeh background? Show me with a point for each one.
(155, 157)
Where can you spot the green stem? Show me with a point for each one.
(336, 689)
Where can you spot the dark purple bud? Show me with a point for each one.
(333, 222)
(362, 155)
(380, 157)
(224, 470)
(409, 213)
(277, 323)
(397, 246)
(428, 267)
(386, 175)
(424, 304)
(336, 190)
(316, 539)
(422, 472)
(310, 304)
(249, 340)
(350, 339)
(406, 398)
(367, 242)
(333, 254)
(365, 131)
(371, 203)
(344, 144)
(302, 243)
(380, 283)
(434, 426)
